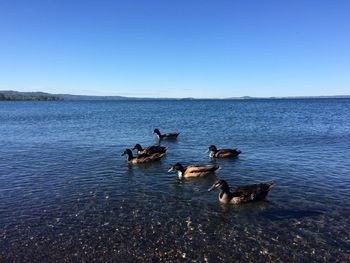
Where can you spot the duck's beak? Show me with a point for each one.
(206, 151)
(212, 188)
(122, 154)
(171, 169)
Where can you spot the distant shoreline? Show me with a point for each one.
(10, 95)
(20, 97)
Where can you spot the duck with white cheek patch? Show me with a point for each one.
(222, 153)
(166, 136)
(193, 170)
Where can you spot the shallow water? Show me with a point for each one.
(67, 194)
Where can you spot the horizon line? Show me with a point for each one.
(177, 98)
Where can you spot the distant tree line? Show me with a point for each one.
(22, 97)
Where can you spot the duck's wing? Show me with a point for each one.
(155, 149)
(171, 134)
(227, 153)
(142, 154)
(201, 168)
(149, 158)
(253, 192)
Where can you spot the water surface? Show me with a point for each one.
(67, 194)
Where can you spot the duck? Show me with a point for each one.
(243, 194)
(222, 153)
(142, 158)
(166, 136)
(149, 150)
(193, 170)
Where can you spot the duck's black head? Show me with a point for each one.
(156, 131)
(212, 148)
(220, 184)
(137, 147)
(176, 167)
(127, 152)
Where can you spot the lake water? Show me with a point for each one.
(67, 194)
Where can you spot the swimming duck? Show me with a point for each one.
(166, 136)
(193, 170)
(243, 194)
(222, 153)
(142, 158)
(149, 150)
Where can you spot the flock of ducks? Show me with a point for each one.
(243, 194)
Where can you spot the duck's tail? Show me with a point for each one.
(237, 151)
(270, 184)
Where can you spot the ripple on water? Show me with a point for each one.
(67, 194)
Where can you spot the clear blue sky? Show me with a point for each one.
(176, 48)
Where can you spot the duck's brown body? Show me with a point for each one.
(223, 153)
(243, 194)
(150, 149)
(193, 170)
(147, 159)
(166, 136)
(143, 158)
(226, 153)
(199, 170)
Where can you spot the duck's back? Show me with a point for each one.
(254, 192)
(148, 158)
(224, 153)
(154, 149)
(200, 170)
(170, 135)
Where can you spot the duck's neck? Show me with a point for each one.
(180, 172)
(212, 153)
(158, 134)
(140, 148)
(225, 197)
(130, 156)
(225, 189)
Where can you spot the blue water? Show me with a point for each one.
(67, 194)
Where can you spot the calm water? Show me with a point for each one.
(67, 194)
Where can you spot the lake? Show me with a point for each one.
(67, 194)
